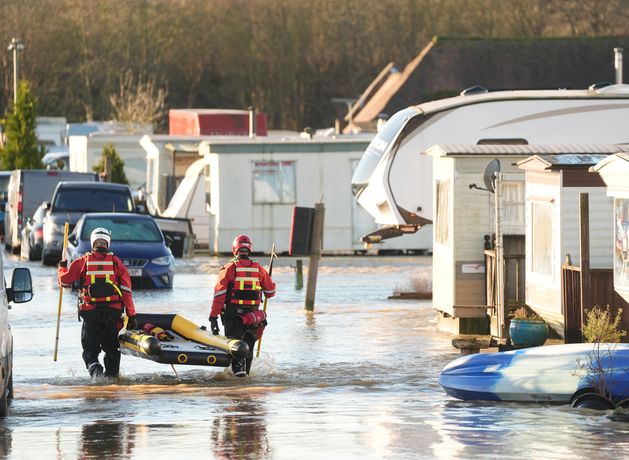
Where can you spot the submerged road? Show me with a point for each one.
(356, 379)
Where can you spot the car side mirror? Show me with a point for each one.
(140, 209)
(169, 240)
(72, 240)
(46, 205)
(21, 289)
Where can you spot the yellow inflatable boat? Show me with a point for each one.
(172, 339)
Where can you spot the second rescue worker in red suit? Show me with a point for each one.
(105, 289)
(237, 298)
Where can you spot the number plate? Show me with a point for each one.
(135, 272)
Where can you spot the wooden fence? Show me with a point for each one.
(602, 293)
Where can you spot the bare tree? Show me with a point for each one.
(138, 102)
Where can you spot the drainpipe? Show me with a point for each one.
(618, 64)
(252, 122)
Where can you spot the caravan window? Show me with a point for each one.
(441, 222)
(274, 182)
(542, 237)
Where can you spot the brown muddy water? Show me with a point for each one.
(355, 380)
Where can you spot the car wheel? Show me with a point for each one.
(32, 255)
(47, 260)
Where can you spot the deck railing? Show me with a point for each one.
(571, 302)
(602, 293)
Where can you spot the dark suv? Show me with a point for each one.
(73, 199)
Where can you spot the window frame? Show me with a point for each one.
(281, 178)
(542, 266)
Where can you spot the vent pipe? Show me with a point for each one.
(618, 64)
(252, 121)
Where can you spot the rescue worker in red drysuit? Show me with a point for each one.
(105, 290)
(237, 298)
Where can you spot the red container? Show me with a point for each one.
(208, 122)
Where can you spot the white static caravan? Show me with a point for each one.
(553, 184)
(393, 182)
(463, 216)
(86, 152)
(255, 183)
(51, 130)
(614, 170)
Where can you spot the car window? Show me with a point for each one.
(124, 229)
(92, 200)
(4, 186)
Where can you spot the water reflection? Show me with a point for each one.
(240, 432)
(105, 439)
(470, 429)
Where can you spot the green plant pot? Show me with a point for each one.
(527, 333)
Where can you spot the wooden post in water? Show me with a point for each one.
(299, 274)
(315, 255)
(584, 232)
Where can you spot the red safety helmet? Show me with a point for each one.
(242, 242)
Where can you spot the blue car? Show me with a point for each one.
(135, 239)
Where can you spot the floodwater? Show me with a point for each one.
(356, 379)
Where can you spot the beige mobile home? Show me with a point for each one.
(463, 217)
(614, 171)
(553, 187)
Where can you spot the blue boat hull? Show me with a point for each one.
(549, 374)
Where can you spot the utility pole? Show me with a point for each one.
(15, 46)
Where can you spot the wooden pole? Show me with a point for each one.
(66, 229)
(299, 274)
(584, 232)
(315, 255)
(107, 167)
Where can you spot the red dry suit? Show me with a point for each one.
(104, 280)
(239, 284)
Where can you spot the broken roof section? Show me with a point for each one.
(445, 66)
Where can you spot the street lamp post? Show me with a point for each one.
(15, 46)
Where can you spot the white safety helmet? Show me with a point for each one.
(100, 233)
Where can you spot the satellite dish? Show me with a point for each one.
(489, 175)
